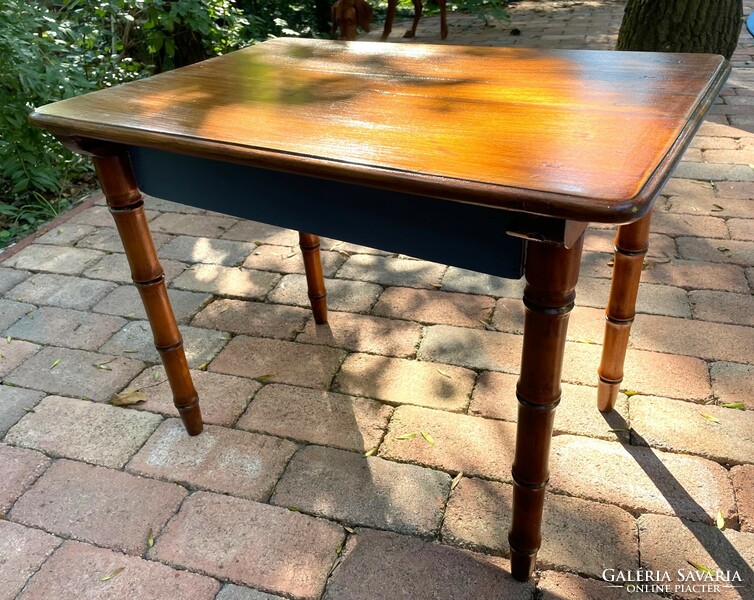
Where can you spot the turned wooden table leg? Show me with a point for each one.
(551, 275)
(127, 207)
(631, 244)
(315, 281)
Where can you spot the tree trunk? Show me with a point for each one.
(681, 26)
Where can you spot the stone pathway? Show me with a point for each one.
(276, 500)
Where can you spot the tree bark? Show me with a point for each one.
(711, 26)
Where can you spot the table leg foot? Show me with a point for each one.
(127, 207)
(551, 276)
(315, 281)
(631, 244)
(607, 394)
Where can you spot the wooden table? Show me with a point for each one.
(490, 159)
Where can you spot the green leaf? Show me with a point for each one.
(54, 364)
(264, 377)
(428, 437)
(444, 374)
(720, 520)
(371, 452)
(701, 568)
(710, 418)
(112, 574)
(407, 436)
(738, 405)
(9, 339)
(292, 508)
(630, 393)
(150, 538)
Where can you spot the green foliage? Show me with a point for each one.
(55, 49)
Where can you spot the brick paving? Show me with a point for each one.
(276, 500)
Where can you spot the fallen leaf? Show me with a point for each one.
(150, 538)
(701, 568)
(619, 430)
(156, 375)
(202, 367)
(444, 374)
(428, 437)
(334, 566)
(716, 208)
(339, 550)
(371, 451)
(456, 480)
(710, 418)
(723, 249)
(130, 315)
(292, 508)
(720, 520)
(630, 393)
(28, 410)
(349, 529)
(9, 339)
(54, 364)
(103, 365)
(407, 436)
(738, 405)
(128, 397)
(112, 574)
(264, 377)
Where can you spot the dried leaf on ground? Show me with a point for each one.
(112, 574)
(128, 397)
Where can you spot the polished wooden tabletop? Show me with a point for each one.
(588, 135)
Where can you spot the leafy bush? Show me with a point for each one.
(60, 48)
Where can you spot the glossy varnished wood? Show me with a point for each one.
(315, 282)
(551, 275)
(631, 245)
(586, 135)
(127, 207)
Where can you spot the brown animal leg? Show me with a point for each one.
(551, 275)
(417, 15)
(315, 281)
(127, 207)
(391, 6)
(443, 19)
(631, 244)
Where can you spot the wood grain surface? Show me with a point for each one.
(587, 135)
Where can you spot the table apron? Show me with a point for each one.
(454, 233)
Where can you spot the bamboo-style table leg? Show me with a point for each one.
(315, 281)
(551, 276)
(631, 244)
(127, 207)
